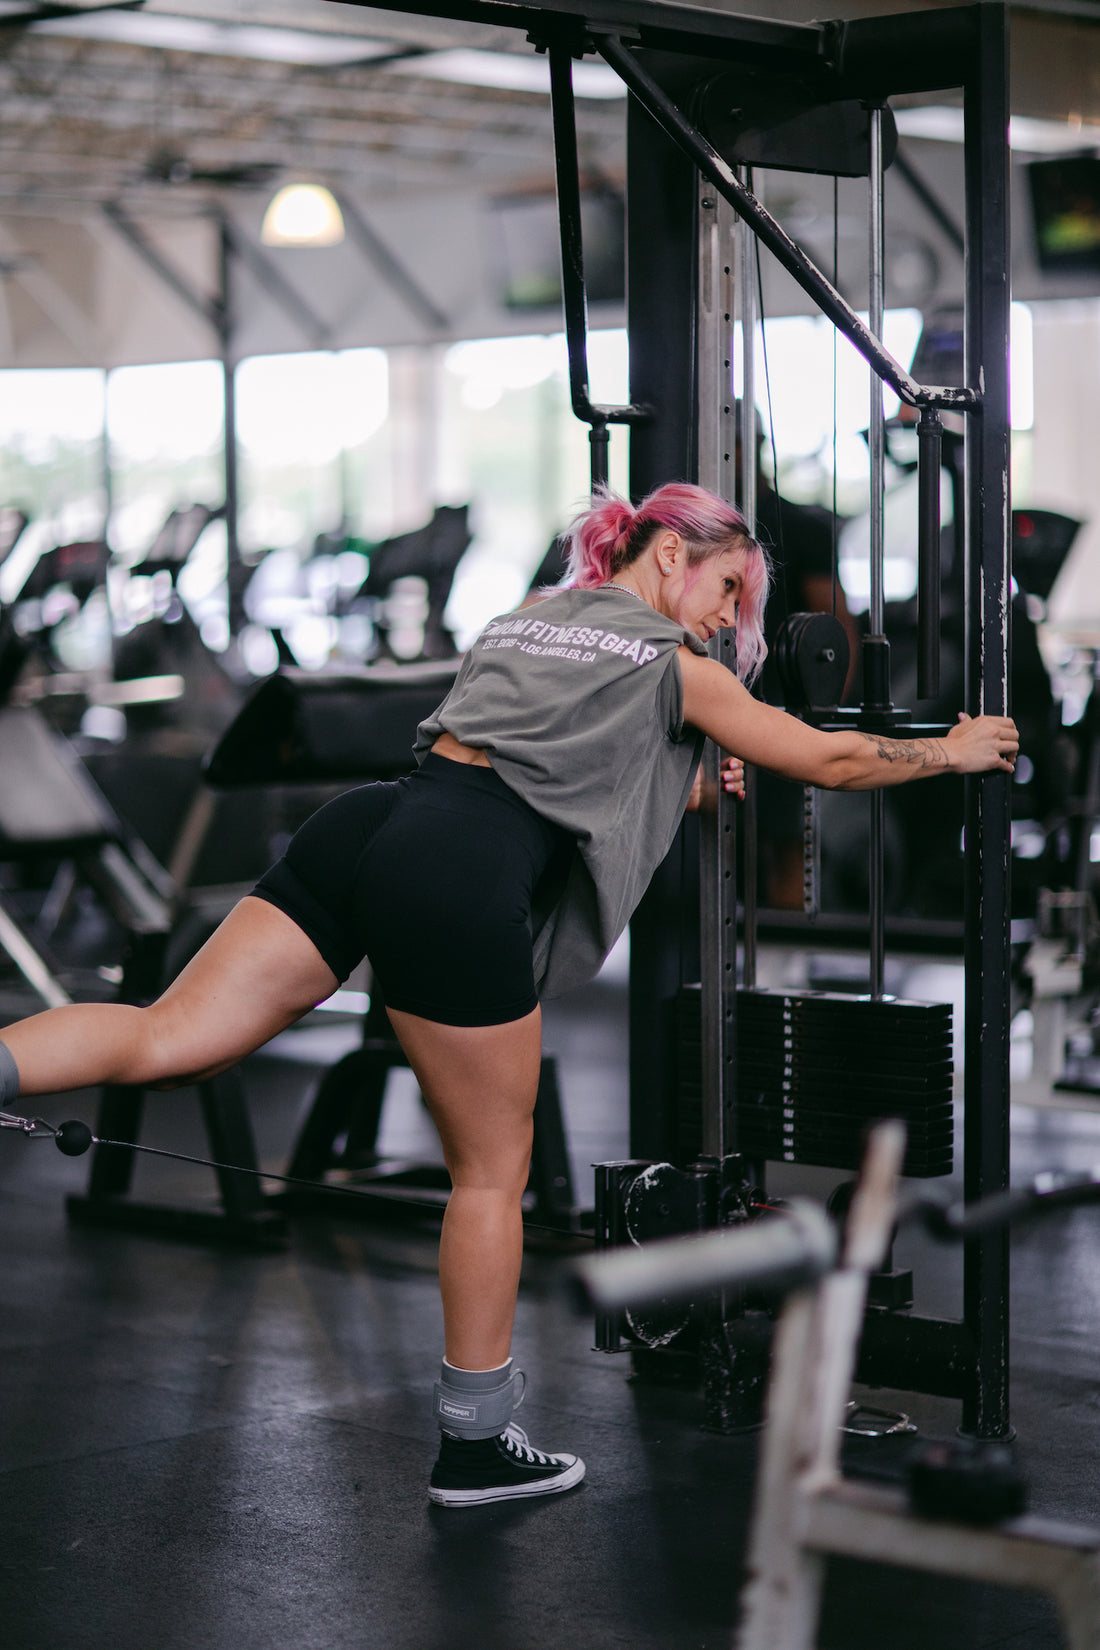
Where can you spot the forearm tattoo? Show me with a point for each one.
(915, 753)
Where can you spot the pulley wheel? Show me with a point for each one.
(812, 657)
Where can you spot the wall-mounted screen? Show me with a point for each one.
(1065, 200)
(528, 250)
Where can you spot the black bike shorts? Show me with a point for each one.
(432, 879)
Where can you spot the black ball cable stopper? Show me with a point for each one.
(73, 1138)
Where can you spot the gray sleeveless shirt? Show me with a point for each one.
(578, 703)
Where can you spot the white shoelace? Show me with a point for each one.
(518, 1444)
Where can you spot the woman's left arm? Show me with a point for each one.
(847, 760)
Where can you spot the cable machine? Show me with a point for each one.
(711, 95)
(782, 1048)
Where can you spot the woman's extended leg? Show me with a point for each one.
(255, 976)
(480, 1084)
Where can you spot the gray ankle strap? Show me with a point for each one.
(477, 1403)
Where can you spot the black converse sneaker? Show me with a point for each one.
(470, 1471)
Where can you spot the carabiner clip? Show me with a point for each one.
(34, 1128)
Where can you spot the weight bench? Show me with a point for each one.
(50, 808)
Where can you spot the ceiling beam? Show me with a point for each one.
(391, 269)
(209, 309)
(27, 271)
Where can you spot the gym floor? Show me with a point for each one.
(217, 1449)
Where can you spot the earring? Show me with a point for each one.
(666, 569)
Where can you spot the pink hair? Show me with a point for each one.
(612, 533)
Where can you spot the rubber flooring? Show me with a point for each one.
(209, 1448)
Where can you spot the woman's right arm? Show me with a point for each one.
(848, 760)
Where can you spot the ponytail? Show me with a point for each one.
(599, 540)
(604, 539)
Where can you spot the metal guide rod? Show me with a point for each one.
(929, 438)
(803, 270)
(713, 229)
(717, 448)
(746, 297)
(877, 447)
(876, 428)
(229, 396)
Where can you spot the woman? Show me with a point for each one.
(550, 785)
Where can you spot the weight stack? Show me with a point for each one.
(816, 1068)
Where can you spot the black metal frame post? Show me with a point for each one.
(984, 1329)
(664, 932)
(718, 238)
(747, 315)
(988, 800)
(234, 247)
(217, 312)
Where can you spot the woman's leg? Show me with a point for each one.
(480, 1084)
(255, 976)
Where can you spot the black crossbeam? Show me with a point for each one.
(724, 178)
(652, 23)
